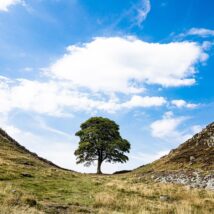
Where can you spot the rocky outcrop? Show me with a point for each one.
(205, 137)
(194, 179)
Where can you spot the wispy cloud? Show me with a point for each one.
(143, 11)
(135, 15)
(146, 158)
(201, 32)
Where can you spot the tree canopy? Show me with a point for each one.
(100, 141)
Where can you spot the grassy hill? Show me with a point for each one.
(30, 184)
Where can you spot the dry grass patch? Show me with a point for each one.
(123, 196)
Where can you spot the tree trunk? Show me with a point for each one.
(99, 162)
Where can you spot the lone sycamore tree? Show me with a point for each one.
(100, 141)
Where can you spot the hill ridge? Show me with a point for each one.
(191, 163)
(10, 140)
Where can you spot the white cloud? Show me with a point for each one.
(183, 104)
(125, 65)
(55, 97)
(5, 4)
(106, 74)
(138, 101)
(29, 96)
(143, 11)
(168, 129)
(202, 32)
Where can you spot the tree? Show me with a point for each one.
(100, 141)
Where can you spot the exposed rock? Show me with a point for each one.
(191, 179)
(210, 184)
(191, 158)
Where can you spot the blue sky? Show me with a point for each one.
(148, 65)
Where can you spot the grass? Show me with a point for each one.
(124, 196)
(47, 189)
(100, 194)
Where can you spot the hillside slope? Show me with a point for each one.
(192, 160)
(12, 153)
